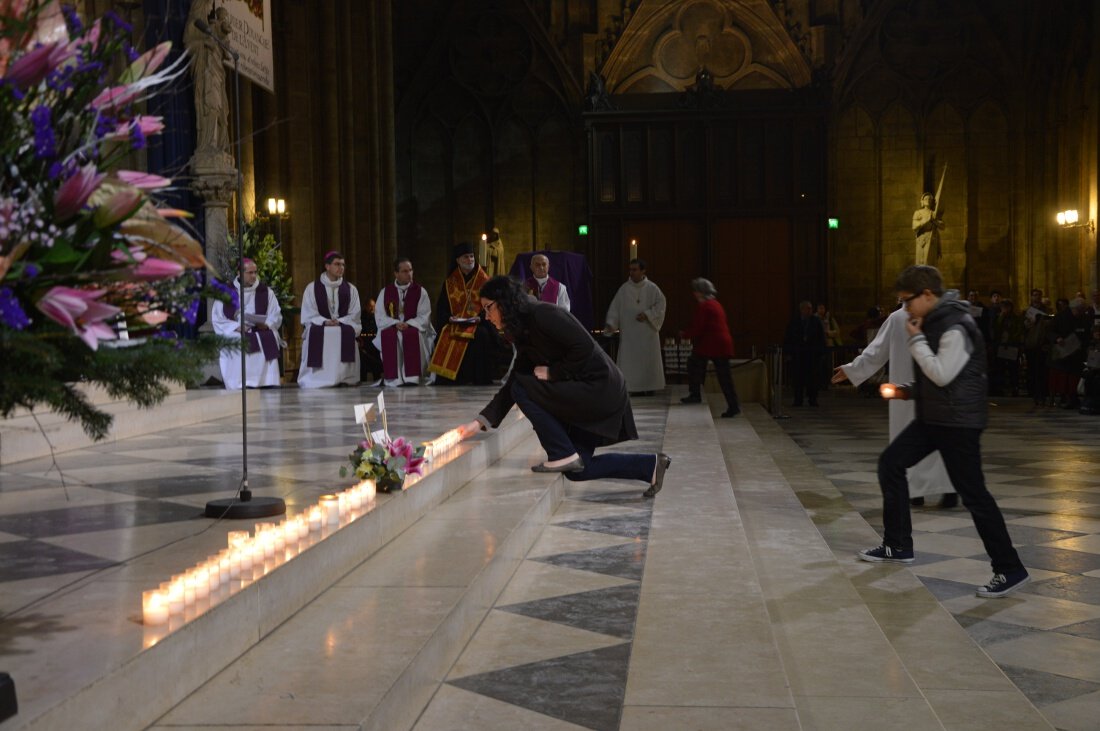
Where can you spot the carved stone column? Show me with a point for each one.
(214, 179)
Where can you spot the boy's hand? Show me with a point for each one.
(839, 376)
(912, 325)
(893, 391)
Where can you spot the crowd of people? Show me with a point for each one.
(1048, 351)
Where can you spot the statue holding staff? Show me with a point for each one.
(927, 224)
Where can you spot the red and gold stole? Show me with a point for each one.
(463, 299)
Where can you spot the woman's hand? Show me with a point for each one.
(470, 428)
(542, 373)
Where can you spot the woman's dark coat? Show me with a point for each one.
(585, 390)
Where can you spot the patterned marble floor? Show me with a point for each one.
(554, 651)
(1043, 466)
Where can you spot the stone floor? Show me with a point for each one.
(1043, 466)
(733, 600)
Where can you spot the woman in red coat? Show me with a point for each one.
(710, 337)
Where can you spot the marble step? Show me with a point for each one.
(371, 651)
(129, 679)
(22, 437)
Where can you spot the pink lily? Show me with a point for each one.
(146, 63)
(148, 124)
(113, 97)
(145, 181)
(174, 213)
(130, 254)
(154, 317)
(118, 207)
(33, 66)
(74, 192)
(152, 268)
(78, 310)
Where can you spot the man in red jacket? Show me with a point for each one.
(710, 336)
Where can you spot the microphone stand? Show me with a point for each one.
(242, 506)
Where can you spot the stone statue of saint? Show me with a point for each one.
(927, 227)
(494, 254)
(208, 73)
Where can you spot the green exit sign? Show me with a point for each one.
(582, 230)
(834, 223)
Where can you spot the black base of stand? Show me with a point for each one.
(8, 706)
(235, 509)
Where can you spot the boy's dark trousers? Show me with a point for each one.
(962, 456)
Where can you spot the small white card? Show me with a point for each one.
(379, 436)
(362, 412)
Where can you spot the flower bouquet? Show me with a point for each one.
(387, 464)
(87, 256)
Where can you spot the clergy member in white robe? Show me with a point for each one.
(403, 312)
(891, 343)
(637, 312)
(263, 317)
(332, 317)
(542, 286)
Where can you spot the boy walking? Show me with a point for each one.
(950, 393)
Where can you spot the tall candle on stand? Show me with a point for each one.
(483, 249)
(633, 249)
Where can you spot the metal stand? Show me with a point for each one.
(243, 506)
(776, 353)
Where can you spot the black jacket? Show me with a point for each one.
(964, 401)
(586, 389)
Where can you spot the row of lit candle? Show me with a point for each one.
(249, 556)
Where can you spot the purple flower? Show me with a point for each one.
(225, 289)
(76, 28)
(45, 141)
(11, 312)
(31, 271)
(192, 312)
(137, 137)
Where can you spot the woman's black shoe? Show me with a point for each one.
(663, 461)
(575, 466)
(949, 500)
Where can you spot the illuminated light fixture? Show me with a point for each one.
(1069, 218)
(582, 230)
(834, 223)
(276, 206)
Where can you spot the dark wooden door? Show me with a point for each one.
(751, 267)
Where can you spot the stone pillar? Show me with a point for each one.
(214, 179)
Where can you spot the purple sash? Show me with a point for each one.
(316, 347)
(549, 292)
(257, 338)
(410, 346)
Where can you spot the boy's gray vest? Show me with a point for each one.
(963, 402)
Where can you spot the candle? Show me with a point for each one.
(355, 497)
(303, 525)
(234, 564)
(174, 591)
(188, 590)
(237, 538)
(316, 518)
(245, 553)
(331, 505)
(483, 250)
(633, 249)
(202, 583)
(154, 607)
(369, 490)
(887, 390)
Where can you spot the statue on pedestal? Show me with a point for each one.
(208, 72)
(927, 227)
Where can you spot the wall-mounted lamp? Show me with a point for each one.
(1070, 219)
(276, 206)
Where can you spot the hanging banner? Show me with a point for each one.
(251, 37)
